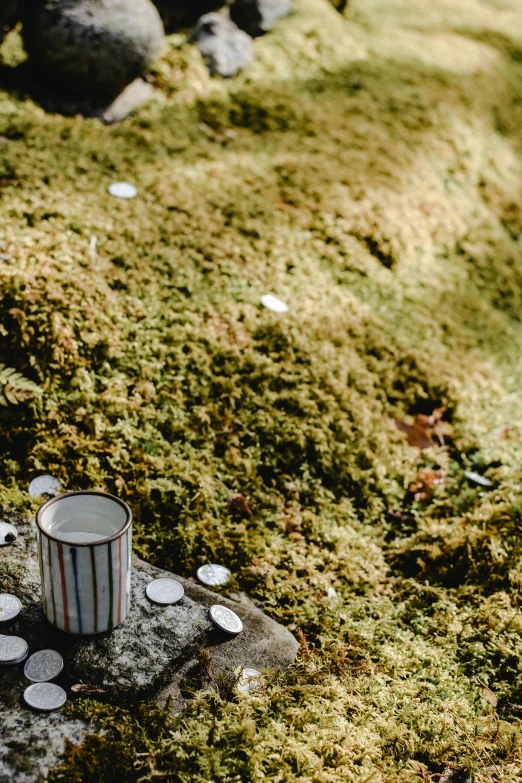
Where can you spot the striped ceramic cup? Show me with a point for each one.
(84, 549)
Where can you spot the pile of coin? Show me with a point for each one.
(13, 650)
(10, 607)
(39, 668)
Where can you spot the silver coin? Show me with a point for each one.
(13, 649)
(45, 696)
(10, 607)
(248, 680)
(165, 591)
(123, 190)
(43, 665)
(213, 575)
(226, 619)
(8, 533)
(44, 485)
(274, 303)
(476, 478)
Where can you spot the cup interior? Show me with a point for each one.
(83, 518)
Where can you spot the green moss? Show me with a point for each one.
(366, 170)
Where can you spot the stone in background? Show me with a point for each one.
(184, 13)
(92, 47)
(257, 17)
(225, 48)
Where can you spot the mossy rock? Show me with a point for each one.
(149, 656)
(365, 169)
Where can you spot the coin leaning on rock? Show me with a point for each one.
(8, 533)
(45, 696)
(10, 607)
(165, 591)
(13, 649)
(43, 665)
(248, 680)
(225, 619)
(213, 575)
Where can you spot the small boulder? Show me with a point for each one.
(154, 654)
(92, 47)
(257, 17)
(184, 13)
(225, 47)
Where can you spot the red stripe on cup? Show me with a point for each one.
(64, 588)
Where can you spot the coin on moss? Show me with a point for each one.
(248, 680)
(477, 478)
(123, 190)
(213, 575)
(44, 485)
(273, 303)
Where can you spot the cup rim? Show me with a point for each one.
(114, 537)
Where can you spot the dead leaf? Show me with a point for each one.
(426, 481)
(239, 505)
(86, 689)
(419, 433)
(415, 435)
(488, 695)
(401, 517)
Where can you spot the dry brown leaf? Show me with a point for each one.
(426, 481)
(419, 433)
(415, 435)
(239, 505)
(488, 695)
(86, 689)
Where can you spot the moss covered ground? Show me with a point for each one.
(367, 170)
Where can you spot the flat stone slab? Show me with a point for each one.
(148, 656)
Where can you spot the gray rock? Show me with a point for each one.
(257, 17)
(92, 47)
(184, 13)
(10, 13)
(149, 656)
(135, 95)
(225, 48)
(31, 743)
